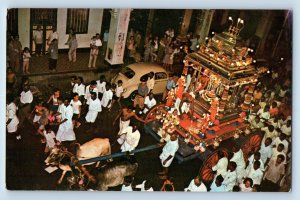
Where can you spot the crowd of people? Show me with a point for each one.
(57, 117)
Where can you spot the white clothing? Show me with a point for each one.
(65, 131)
(107, 96)
(244, 188)
(221, 167)
(76, 105)
(101, 86)
(131, 139)
(269, 134)
(265, 152)
(215, 188)
(126, 188)
(119, 91)
(263, 115)
(169, 150)
(36, 118)
(79, 89)
(49, 139)
(142, 187)
(98, 43)
(11, 113)
(38, 36)
(285, 143)
(149, 103)
(286, 130)
(274, 172)
(230, 180)
(88, 94)
(275, 124)
(61, 109)
(150, 83)
(255, 175)
(194, 188)
(94, 108)
(53, 35)
(251, 162)
(123, 125)
(185, 107)
(238, 158)
(275, 153)
(26, 97)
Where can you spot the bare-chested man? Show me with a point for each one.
(125, 115)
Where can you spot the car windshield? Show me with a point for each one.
(129, 73)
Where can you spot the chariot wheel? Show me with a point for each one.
(251, 145)
(206, 173)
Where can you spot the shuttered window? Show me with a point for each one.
(78, 20)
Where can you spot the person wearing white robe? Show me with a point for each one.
(12, 120)
(196, 185)
(281, 140)
(90, 88)
(94, 108)
(65, 131)
(107, 97)
(230, 179)
(252, 159)
(132, 138)
(255, 173)
(222, 164)
(266, 150)
(149, 103)
(238, 158)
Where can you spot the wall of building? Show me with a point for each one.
(24, 26)
(95, 22)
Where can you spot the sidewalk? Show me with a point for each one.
(39, 65)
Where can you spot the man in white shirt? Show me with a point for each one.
(254, 157)
(266, 150)
(38, 40)
(281, 140)
(279, 150)
(107, 97)
(101, 83)
(217, 185)
(79, 88)
(255, 173)
(238, 158)
(149, 103)
(286, 128)
(26, 99)
(53, 35)
(196, 185)
(94, 108)
(151, 82)
(167, 155)
(12, 120)
(90, 88)
(65, 131)
(131, 138)
(269, 132)
(222, 164)
(230, 179)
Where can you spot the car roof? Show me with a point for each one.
(146, 67)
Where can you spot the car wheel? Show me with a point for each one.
(132, 95)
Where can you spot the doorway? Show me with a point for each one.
(46, 19)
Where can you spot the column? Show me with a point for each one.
(117, 36)
(203, 24)
(224, 20)
(263, 29)
(150, 22)
(185, 25)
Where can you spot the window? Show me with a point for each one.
(160, 75)
(129, 73)
(78, 20)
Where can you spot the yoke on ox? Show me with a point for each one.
(94, 148)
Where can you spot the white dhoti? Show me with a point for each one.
(65, 132)
(91, 116)
(123, 125)
(12, 127)
(126, 147)
(163, 158)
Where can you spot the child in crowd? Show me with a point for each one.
(101, 83)
(49, 136)
(26, 58)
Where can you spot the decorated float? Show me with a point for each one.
(217, 84)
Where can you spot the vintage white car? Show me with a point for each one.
(131, 74)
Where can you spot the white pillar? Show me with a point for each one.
(117, 36)
(203, 24)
